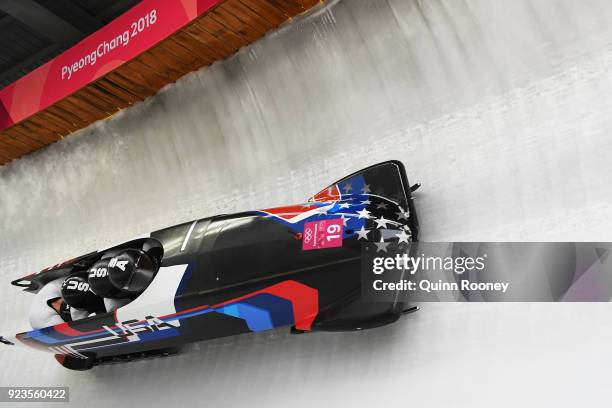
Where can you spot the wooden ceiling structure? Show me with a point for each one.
(214, 36)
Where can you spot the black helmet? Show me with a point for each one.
(99, 281)
(131, 271)
(125, 275)
(77, 294)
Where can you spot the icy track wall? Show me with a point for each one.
(500, 108)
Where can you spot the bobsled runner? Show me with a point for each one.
(297, 266)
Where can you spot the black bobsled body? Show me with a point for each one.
(296, 266)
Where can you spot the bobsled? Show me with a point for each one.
(297, 266)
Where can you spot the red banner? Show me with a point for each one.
(121, 40)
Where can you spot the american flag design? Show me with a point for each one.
(364, 213)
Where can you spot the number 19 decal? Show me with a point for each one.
(322, 234)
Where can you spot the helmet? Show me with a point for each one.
(122, 276)
(131, 271)
(99, 282)
(77, 294)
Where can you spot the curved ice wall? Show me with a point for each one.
(500, 108)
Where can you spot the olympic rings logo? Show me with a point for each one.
(307, 234)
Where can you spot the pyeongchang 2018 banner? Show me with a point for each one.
(129, 35)
(487, 272)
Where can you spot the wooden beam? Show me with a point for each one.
(211, 37)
